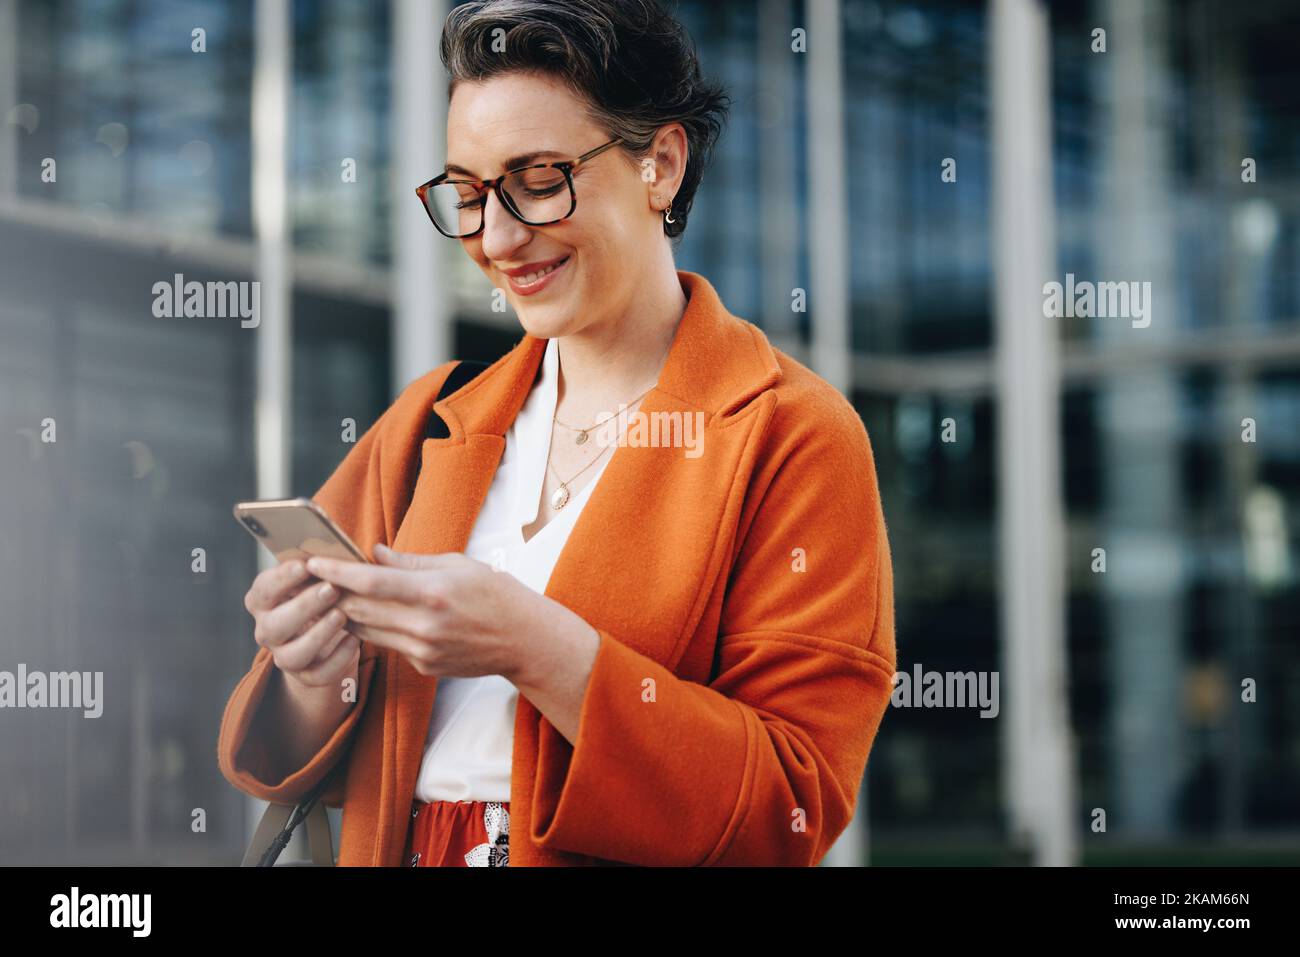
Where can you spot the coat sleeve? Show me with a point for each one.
(354, 497)
(762, 765)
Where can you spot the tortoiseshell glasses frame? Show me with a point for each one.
(481, 187)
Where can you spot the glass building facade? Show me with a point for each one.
(1174, 158)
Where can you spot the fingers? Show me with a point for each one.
(377, 581)
(319, 639)
(272, 586)
(337, 639)
(298, 589)
(415, 620)
(414, 649)
(388, 556)
(291, 617)
(334, 665)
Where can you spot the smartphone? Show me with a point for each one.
(296, 528)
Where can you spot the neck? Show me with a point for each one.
(604, 365)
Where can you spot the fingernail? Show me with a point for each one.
(326, 590)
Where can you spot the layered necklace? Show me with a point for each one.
(560, 497)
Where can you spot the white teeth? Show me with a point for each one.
(533, 277)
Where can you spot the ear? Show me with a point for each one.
(664, 167)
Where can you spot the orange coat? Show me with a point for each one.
(744, 601)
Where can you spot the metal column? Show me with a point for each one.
(828, 243)
(422, 292)
(828, 240)
(272, 87)
(1038, 765)
(1141, 521)
(779, 213)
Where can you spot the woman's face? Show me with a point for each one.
(614, 233)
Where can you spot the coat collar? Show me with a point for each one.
(716, 363)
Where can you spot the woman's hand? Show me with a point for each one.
(446, 614)
(450, 615)
(296, 621)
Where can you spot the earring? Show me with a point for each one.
(668, 214)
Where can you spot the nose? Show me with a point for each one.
(502, 233)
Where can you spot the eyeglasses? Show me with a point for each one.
(535, 195)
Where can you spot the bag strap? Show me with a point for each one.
(277, 826)
(279, 820)
(461, 375)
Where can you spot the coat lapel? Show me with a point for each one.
(651, 539)
(455, 474)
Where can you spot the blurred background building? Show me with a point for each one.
(1122, 689)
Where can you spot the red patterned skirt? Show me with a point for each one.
(459, 834)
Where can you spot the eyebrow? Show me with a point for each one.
(514, 162)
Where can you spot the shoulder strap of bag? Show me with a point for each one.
(277, 827)
(279, 820)
(461, 375)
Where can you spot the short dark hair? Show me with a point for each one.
(631, 61)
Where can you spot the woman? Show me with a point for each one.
(639, 609)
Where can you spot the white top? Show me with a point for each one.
(471, 732)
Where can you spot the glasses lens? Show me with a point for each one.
(457, 208)
(539, 195)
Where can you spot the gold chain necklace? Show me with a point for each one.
(583, 435)
(560, 497)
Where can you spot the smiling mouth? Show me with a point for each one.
(534, 278)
